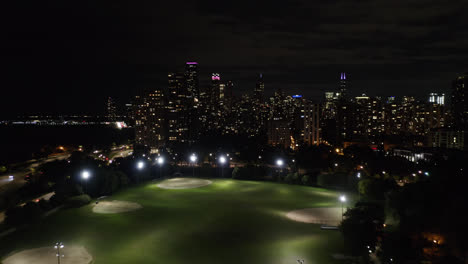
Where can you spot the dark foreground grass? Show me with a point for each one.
(226, 222)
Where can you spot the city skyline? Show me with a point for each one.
(206, 79)
(98, 50)
(331, 132)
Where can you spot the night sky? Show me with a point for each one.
(67, 56)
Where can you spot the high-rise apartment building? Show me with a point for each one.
(311, 124)
(191, 81)
(459, 104)
(111, 111)
(259, 91)
(176, 108)
(343, 86)
(437, 98)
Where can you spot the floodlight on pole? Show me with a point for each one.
(140, 165)
(343, 200)
(58, 246)
(84, 177)
(160, 162)
(222, 160)
(193, 159)
(279, 162)
(85, 174)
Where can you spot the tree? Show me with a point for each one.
(305, 180)
(360, 228)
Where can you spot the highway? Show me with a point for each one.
(18, 176)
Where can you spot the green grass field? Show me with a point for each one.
(226, 222)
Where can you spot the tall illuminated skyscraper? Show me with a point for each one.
(176, 106)
(193, 99)
(343, 88)
(259, 91)
(216, 90)
(460, 102)
(150, 125)
(228, 96)
(191, 80)
(111, 110)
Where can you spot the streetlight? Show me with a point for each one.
(160, 162)
(279, 163)
(343, 200)
(358, 175)
(222, 160)
(85, 176)
(140, 166)
(193, 159)
(58, 246)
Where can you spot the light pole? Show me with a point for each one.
(280, 164)
(84, 177)
(160, 162)
(140, 166)
(193, 159)
(58, 246)
(359, 177)
(343, 200)
(222, 160)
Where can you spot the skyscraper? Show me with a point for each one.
(437, 98)
(177, 106)
(216, 90)
(111, 110)
(311, 124)
(150, 119)
(343, 88)
(193, 99)
(459, 106)
(228, 96)
(259, 91)
(191, 81)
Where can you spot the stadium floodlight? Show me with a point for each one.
(193, 159)
(85, 174)
(343, 200)
(222, 159)
(279, 162)
(161, 161)
(58, 246)
(140, 165)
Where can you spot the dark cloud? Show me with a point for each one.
(60, 54)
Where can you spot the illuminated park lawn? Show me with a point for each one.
(226, 222)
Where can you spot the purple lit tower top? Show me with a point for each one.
(215, 77)
(343, 88)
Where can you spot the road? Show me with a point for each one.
(18, 176)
